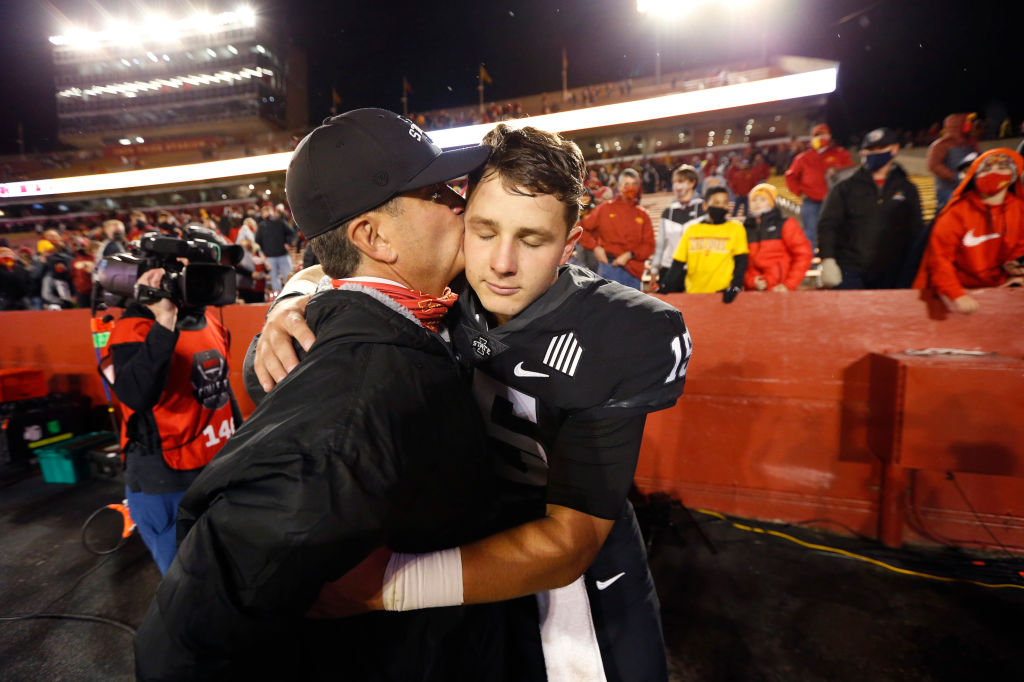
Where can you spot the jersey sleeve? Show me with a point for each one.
(647, 373)
(593, 463)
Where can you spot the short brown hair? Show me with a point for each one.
(530, 162)
(338, 256)
(686, 171)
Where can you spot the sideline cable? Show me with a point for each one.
(128, 528)
(853, 555)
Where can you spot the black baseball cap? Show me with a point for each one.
(880, 137)
(358, 160)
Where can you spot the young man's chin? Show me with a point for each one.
(505, 305)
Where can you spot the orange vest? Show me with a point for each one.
(193, 413)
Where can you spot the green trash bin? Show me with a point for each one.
(67, 461)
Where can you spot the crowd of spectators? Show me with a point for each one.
(724, 231)
(55, 270)
(868, 216)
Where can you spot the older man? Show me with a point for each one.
(374, 439)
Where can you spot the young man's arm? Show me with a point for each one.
(592, 469)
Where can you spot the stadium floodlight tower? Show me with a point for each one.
(665, 12)
(173, 78)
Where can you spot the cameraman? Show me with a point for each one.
(170, 374)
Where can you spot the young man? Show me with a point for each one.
(687, 206)
(712, 254)
(374, 439)
(978, 241)
(566, 405)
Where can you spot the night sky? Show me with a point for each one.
(904, 63)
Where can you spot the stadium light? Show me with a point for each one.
(156, 28)
(149, 177)
(669, 9)
(792, 86)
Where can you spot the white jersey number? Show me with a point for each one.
(682, 348)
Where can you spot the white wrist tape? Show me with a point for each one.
(421, 581)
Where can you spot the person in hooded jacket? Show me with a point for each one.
(978, 239)
(870, 220)
(780, 253)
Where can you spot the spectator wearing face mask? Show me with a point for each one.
(870, 220)
(712, 253)
(978, 239)
(780, 253)
(620, 233)
(808, 176)
(686, 207)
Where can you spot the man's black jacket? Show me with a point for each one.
(374, 439)
(871, 229)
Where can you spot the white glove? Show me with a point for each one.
(831, 275)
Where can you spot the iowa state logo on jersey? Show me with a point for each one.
(210, 379)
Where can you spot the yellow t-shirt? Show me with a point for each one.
(708, 252)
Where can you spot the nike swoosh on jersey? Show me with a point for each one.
(971, 239)
(520, 372)
(605, 584)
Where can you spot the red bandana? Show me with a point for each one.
(428, 309)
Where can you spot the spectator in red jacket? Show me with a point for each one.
(779, 252)
(808, 176)
(620, 233)
(978, 239)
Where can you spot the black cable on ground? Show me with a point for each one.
(40, 615)
(75, 616)
(103, 552)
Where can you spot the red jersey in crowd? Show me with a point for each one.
(806, 175)
(619, 226)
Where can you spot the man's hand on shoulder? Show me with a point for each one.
(275, 355)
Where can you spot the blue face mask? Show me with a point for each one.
(875, 161)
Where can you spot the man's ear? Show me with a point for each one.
(367, 232)
(570, 244)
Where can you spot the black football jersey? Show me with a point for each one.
(586, 357)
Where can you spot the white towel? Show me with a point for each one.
(571, 651)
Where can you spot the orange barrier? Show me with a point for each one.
(776, 421)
